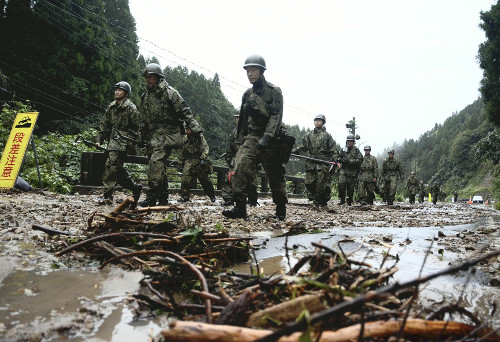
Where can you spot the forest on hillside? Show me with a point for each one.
(65, 68)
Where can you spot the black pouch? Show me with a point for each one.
(282, 145)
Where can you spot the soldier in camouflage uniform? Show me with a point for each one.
(350, 158)
(391, 172)
(230, 157)
(421, 192)
(194, 157)
(367, 178)
(260, 122)
(122, 117)
(163, 112)
(435, 192)
(412, 187)
(320, 145)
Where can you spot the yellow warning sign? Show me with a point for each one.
(13, 154)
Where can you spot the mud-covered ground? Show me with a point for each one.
(34, 284)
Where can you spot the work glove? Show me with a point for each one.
(203, 161)
(264, 142)
(296, 151)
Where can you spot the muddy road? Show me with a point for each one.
(43, 297)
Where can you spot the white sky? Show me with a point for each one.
(398, 66)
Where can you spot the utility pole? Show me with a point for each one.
(351, 125)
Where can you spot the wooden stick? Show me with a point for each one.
(125, 204)
(184, 262)
(202, 332)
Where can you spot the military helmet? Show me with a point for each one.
(124, 85)
(152, 68)
(368, 147)
(412, 173)
(350, 137)
(390, 152)
(255, 60)
(321, 117)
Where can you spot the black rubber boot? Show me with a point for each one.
(228, 202)
(280, 212)
(148, 202)
(136, 192)
(238, 211)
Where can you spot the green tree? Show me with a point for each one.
(489, 61)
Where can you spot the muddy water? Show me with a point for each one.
(410, 246)
(88, 301)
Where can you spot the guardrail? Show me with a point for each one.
(92, 168)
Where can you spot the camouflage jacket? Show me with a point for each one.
(194, 146)
(320, 145)
(261, 111)
(351, 159)
(435, 190)
(123, 117)
(421, 188)
(163, 108)
(369, 169)
(392, 167)
(412, 185)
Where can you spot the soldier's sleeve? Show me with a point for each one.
(204, 147)
(275, 113)
(332, 148)
(135, 123)
(375, 168)
(105, 127)
(183, 111)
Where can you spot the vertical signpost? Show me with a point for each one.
(15, 148)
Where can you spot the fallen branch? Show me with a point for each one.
(202, 332)
(201, 277)
(107, 236)
(49, 230)
(370, 296)
(125, 204)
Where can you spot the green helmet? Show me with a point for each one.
(152, 68)
(350, 137)
(368, 147)
(124, 85)
(320, 116)
(412, 173)
(390, 152)
(255, 60)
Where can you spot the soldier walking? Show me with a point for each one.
(412, 187)
(320, 145)
(421, 192)
(391, 172)
(230, 157)
(259, 125)
(163, 112)
(435, 192)
(367, 177)
(121, 119)
(194, 158)
(350, 158)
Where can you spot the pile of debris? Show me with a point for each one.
(326, 296)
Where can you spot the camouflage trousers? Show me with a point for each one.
(421, 196)
(247, 160)
(193, 171)
(115, 173)
(346, 187)
(227, 188)
(157, 174)
(391, 183)
(318, 185)
(411, 196)
(366, 191)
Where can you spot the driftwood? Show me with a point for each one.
(287, 311)
(124, 205)
(202, 332)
